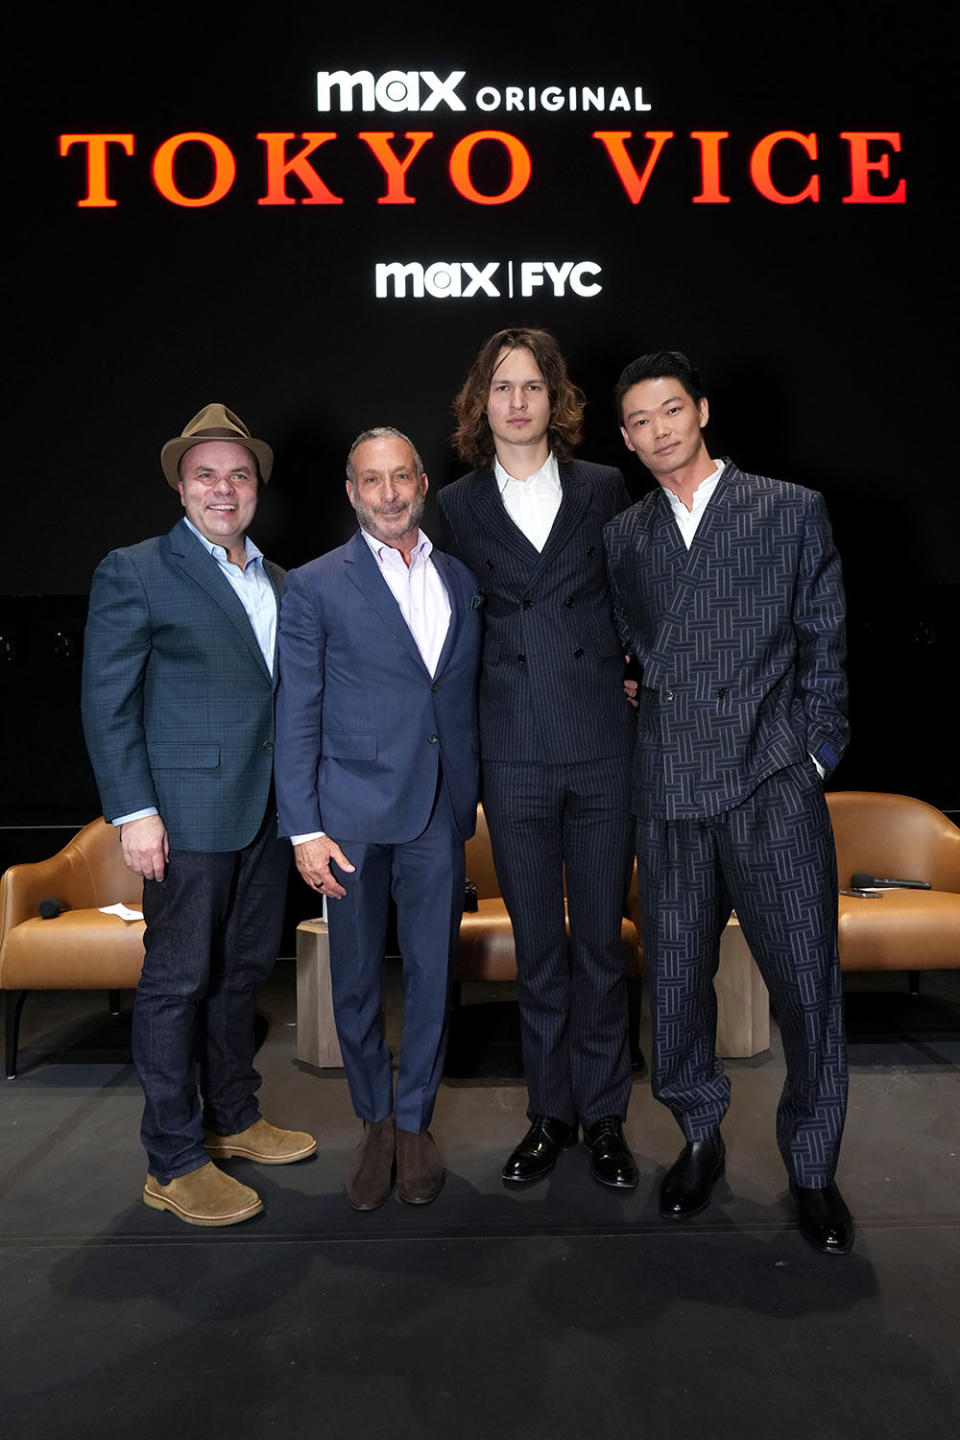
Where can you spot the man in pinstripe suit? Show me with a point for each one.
(730, 596)
(555, 736)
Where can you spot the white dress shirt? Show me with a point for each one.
(532, 504)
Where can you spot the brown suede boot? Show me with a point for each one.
(419, 1167)
(204, 1197)
(264, 1143)
(370, 1176)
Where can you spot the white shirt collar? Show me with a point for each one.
(422, 548)
(547, 477)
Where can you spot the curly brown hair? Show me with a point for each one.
(472, 437)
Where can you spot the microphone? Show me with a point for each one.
(863, 881)
(49, 909)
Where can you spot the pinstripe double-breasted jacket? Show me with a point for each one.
(551, 687)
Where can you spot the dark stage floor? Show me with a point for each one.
(561, 1312)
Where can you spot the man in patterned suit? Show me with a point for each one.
(555, 736)
(179, 674)
(729, 595)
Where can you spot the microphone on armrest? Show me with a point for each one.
(861, 880)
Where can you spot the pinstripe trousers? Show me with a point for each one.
(773, 859)
(551, 824)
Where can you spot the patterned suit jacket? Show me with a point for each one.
(551, 688)
(177, 698)
(362, 726)
(741, 640)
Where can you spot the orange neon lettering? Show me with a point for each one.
(393, 167)
(224, 169)
(710, 192)
(96, 163)
(861, 165)
(760, 168)
(520, 167)
(634, 184)
(279, 167)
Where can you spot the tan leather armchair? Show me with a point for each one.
(898, 837)
(80, 949)
(485, 950)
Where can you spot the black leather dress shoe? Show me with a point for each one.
(611, 1162)
(537, 1152)
(823, 1218)
(685, 1189)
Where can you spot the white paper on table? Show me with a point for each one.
(122, 910)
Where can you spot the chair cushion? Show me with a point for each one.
(902, 930)
(78, 950)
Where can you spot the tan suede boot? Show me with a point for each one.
(370, 1176)
(204, 1197)
(419, 1167)
(264, 1143)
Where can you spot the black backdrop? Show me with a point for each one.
(822, 327)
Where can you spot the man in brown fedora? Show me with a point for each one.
(178, 687)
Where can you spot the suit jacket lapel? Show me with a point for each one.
(573, 504)
(364, 572)
(492, 517)
(442, 563)
(201, 567)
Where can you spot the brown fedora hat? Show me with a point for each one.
(214, 422)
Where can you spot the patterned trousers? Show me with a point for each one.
(772, 859)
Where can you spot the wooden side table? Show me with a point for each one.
(317, 1042)
(743, 1004)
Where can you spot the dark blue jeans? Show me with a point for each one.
(213, 928)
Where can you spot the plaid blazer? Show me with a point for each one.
(177, 698)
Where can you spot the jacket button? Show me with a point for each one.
(527, 603)
(521, 659)
(722, 693)
(668, 694)
(434, 687)
(577, 653)
(431, 739)
(489, 564)
(569, 602)
(591, 549)
(267, 745)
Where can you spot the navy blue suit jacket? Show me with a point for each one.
(362, 726)
(177, 697)
(552, 683)
(741, 640)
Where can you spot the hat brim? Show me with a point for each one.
(174, 451)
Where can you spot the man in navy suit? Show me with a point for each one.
(377, 777)
(730, 596)
(556, 735)
(178, 683)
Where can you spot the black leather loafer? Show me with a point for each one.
(685, 1189)
(537, 1152)
(611, 1162)
(823, 1218)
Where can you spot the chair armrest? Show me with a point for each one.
(946, 865)
(22, 887)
